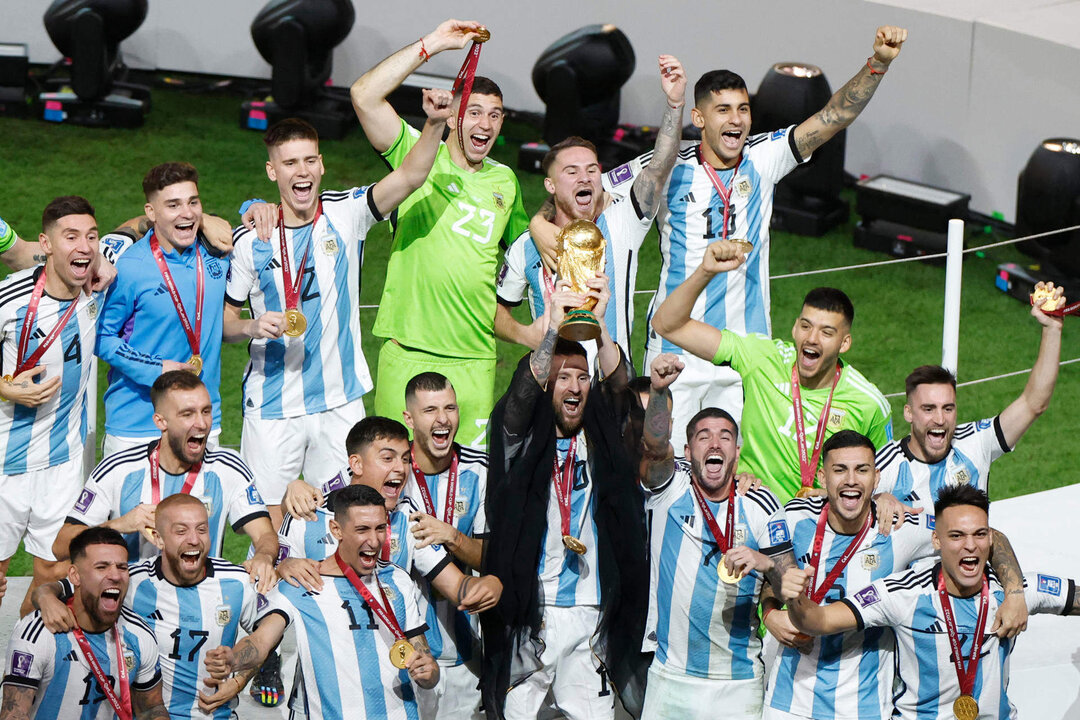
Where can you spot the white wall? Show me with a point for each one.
(973, 92)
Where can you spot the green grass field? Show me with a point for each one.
(898, 308)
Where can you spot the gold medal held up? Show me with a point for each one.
(805, 492)
(965, 707)
(400, 652)
(573, 544)
(581, 255)
(482, 35)
(195, 361)
(726, 575)
(295, 323)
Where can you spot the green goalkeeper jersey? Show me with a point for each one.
(768, 419)
(440, 281)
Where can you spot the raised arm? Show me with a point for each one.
(808, 616)
(658, 457)
(608, 354)
(1012, 615)
(413, 171)
(1033, 401)
(847, 102)
(672, 318)
(378, 118)
(649, 184)
(249, 652)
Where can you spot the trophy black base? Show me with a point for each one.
(579, 326)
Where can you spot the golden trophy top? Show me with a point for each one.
(581, 254)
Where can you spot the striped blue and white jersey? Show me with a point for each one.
(121, 481)
(344, 647)
(325, 367)
(908, 603)
(522, 273)
(691, 217)
(188, 622)
(975, 446)
(566, 578)
(850, 676)
(32, 438)
(312, 539)
(55, 667)
(454, 634)
(698, 625)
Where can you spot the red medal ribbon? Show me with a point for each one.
(193, 334)
(451, 490)
(564, 485)
(384, 611)
(155, 483)
(1070, 309)
(22, 365)
(965, 676)
(721, 190)
(385, 554)
(464, 82)
(808, 468)
(292, 287)
(122, 703)
(817, 594)
(724, 540)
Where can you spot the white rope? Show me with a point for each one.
(992, 377)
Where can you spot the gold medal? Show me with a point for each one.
(805, 492)
(482, 35)
(295, 322)
(195, 362)
(400, 652)
(965, 708)
(573, 544)
(726, 575)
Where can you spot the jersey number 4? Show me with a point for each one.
(487, 222)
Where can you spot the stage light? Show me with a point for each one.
(579, 78)
(807, 201)
(297, 38)
(14, 65)
(905, 218)
(1048, 198)
(88, 33)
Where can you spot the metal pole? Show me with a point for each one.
(950, 331)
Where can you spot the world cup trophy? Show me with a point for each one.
(581, 256)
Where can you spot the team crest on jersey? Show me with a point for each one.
(21, 662)
(330, 246)
(868, 596)
(91, 309)
(394, 545)
(743, 187)
(86, 499)
(960, 477)
(836, 419)
(871, 560)
(461, 506)
(208, 503)
(1049, 584)
(129, 660)
(223, 615)
(741, 532)
(214, 268)
(391, 593)
(499, 202)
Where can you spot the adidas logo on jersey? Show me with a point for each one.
(325, 539)
(687, 198)
(71, 657)
(161, 289)
(156, 615)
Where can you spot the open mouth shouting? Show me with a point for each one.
(583, 199)
(850, 499)
(970, 566)
(713, 469)
(937, 440)
(809, 359)
(80, 267)
(441, 438)
(190, 560)
(732, 139)
(110, 601)
(479, 142)
(184, 232)
(391, 489)
(304, 192)
(368, 560)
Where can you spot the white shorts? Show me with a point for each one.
(35, 503)
(279, 451)
(575, 676)
(116, 443)
(683, 697)
(700, 385)
(455, 697)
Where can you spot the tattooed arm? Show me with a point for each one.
(648, 185)
(1012, 615)
(249, 652)
(847, 102)
(423, 670)
(148, 705)
(17, 702)
(658, 457)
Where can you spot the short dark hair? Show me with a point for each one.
(371, 429)
(847, 439)
(715, 81)
(831, 300)
(963, 494)
(486, 86)
(98, 535)
(709, 412)
(173, 380)
(162, 176)
(428, 382)
(289, 129)
(571, 142)
(356, 496)
(568, 347)
(62, 207)
(928, 375)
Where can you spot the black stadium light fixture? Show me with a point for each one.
(1047, 199)
(579, 78)
(88, 33)
(807, 201)
(297, 38)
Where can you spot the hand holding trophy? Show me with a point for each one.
(581, 256)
